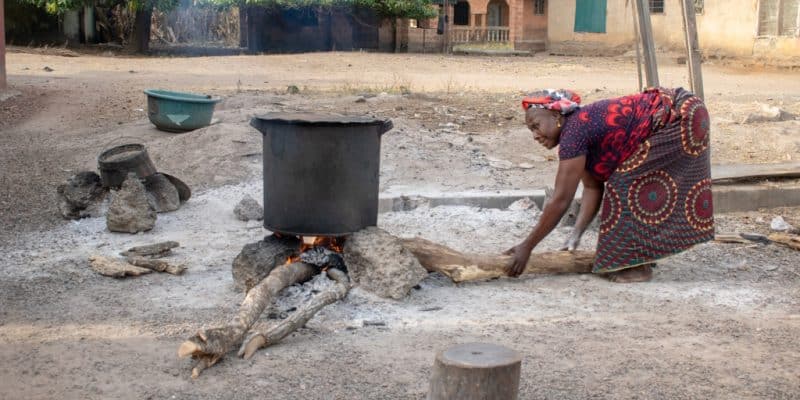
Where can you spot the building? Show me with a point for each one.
(761, 29)
(518, 23)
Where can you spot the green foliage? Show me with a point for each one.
(417, 9)
(163, 5)
(60, 6)
(384, 8)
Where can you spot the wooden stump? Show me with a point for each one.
(476, 371)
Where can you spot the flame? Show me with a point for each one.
(332, 243)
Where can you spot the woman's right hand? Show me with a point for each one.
(519, 259)
(572, 241)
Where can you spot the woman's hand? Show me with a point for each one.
(519, 259)
(572, 242)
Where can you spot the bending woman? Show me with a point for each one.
(644, 157)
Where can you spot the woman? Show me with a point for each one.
(645, 156)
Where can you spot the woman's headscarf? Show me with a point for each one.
(561, 100)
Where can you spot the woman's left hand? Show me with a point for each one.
(519, 259)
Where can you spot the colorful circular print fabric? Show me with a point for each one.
(636, 159)
(612, 209)
(699, 210)
(652, 197)
(695, 126)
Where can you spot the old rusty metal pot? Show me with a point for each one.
(115, 163)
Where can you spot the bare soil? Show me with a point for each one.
(719, 321)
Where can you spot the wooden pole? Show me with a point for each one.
(692, 48)
(637, 42)
(446, 38)
(646, 33)
(3, 82)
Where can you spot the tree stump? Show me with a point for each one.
(476, 371)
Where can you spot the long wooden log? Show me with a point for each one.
(298, 318)
(461, 267)
(210, 345)
(787, 239)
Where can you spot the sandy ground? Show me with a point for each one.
(719, 321)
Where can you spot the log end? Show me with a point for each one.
(188, 348)
(256, 342)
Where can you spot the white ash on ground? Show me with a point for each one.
(716, 297)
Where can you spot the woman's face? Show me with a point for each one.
(544, 125)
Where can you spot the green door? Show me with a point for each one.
(590, 16)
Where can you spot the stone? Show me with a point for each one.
(81, 196)
(768, 114)
(130, 211)
(525, 203)
(378, 262)
(161, 193)
(257, 260)
(779, 224)
(248, 209)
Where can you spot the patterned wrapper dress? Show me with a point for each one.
(652, 151)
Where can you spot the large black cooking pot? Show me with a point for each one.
(320, 172)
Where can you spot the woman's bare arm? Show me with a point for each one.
(567, 178)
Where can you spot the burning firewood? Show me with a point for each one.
(299, 318)
(210, 345)
(461, 267)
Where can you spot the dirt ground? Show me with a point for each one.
(719, 321)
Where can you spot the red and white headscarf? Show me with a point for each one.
(561, 100)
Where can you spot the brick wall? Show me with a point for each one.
(417, 40)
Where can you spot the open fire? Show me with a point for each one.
(320, 251)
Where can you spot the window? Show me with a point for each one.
(779, 18)
(656, 6)
(590, 16)
(538, 7)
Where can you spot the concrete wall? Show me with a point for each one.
(561, 37)
(725, 28)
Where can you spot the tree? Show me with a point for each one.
(140, 38)
(139, 41)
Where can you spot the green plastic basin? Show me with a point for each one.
(179, 112)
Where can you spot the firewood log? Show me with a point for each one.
(787, 239)
(462, 267)
(115, 268)
(298, 318)
(156, 265)
(209, 345)
(155, 250)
